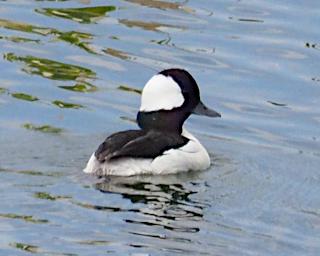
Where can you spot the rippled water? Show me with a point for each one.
(71, 73)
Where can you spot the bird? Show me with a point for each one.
(162, 145)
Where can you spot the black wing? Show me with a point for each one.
(142, 144)
(115, 142)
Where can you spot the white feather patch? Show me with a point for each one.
(192, 156)
(161, 92)
(121, 167)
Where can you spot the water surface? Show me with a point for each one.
(71, 73)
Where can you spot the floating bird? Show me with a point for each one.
(162, 145)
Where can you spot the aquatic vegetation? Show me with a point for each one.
(49, 68)
(94, 242)
(24, 96)
(19, 95)
(42, 128)
(117, 53)
(80, 87)
(47, 196)
(44, 195)
(17, 39)
(37, 173)
(129, 89)
(76, 38)
(25, 247)
(62, 104)
(157, 4)
(27, 218)
(162, 5)
(33, 173)
(30, 172)
(13, 25)
(81, 15)
(151, 26)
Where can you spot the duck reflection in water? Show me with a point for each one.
(163, 201)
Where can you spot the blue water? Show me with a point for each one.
(67, 81)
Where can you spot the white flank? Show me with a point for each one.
(121, 167)
(161, 92)
(192, 156)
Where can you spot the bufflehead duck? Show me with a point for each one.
(162, 145)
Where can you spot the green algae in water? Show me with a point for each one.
(27, 218)
(24, 96)
(33, 173)
(80, 87)
(157, 4)
(81, 15)
(163, 5)
(76, 38)
(17, 39)
(62, 104)
(25, 247)
(13, 25)
(47, 196)
(149, 26)
(42, 128)
(2, 90)
(44, 195)
(50, 69)
(30, 172)
(129, 89)
(95, 242)
(118, 54)
(37, 173)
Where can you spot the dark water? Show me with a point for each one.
(70, 75)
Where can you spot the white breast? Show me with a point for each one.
(191, 156)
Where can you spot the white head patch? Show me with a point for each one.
(161, 92)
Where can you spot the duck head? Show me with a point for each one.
(168, 99)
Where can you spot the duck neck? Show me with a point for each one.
(163, 120)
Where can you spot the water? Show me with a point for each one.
(70, 77)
